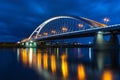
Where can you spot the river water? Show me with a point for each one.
(59, 64)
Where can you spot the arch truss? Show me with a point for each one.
(62, 24)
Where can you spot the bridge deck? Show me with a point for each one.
(82, 33)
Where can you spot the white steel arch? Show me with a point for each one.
(92, 23)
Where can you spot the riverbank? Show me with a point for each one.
(8, 44)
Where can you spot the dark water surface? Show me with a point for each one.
(59, 64)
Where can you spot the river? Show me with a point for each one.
(59, 64)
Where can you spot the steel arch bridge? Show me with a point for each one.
(63, 24)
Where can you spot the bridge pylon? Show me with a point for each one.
(101, 44)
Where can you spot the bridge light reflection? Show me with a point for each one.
(39, 60)
(30, 56)
(107, 75)
(64, 66)
(81, 72)
(45, 61)
(24, 56)
(53, 64)
(64, 29)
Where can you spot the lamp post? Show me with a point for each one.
(64, 29)
(45, 34)
(53, 31)
(106, 20)
(81, 26)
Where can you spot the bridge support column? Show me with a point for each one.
(99, 42)
(114, 39)
(106, 52)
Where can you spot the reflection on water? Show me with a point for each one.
(107, 75)
(71, 64)
(64, 66)
(45, 61)
(53, 63)
(24, 56)
(81, 72)
(39, 60)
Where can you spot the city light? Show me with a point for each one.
(45, 61)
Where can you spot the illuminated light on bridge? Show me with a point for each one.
(45, 34)
(39, 35)
(80, 25)
(27, 43)
(31, 44)
(18, 42)
(53, 31)
(31, 41)
(106, 20)
(64, 29)
(100, 32)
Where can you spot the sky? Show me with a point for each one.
(18, 18)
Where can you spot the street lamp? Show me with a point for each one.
(106, 20)
(64, 29)
(80, 25)
(39, 35)
(53, 31)
(45, 34)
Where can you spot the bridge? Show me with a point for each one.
(64, 27)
